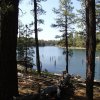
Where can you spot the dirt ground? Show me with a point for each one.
(31, 84)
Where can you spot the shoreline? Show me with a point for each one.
(80, 48)
(21, 68)
(77, 48)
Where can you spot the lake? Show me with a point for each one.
(53, 60)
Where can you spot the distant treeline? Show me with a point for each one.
(78, 40)
(31, 42)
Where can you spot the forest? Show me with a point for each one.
(77, 41)
(18, 81)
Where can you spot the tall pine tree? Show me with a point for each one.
(37, 11)
(63, 21)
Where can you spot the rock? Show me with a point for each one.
(57, 74)
(20, 74)
(81, 80)
(20, 67)
(49, 90)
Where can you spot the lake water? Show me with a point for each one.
(53, 60)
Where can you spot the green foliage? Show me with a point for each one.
(81, 16)
(98, 15)
(70, 39)
(79, 40)
(64, 19)
(21, 42)
(40, 11)
(98, 40)
(61, 43)
(64, 11)
(98, 46)
(24, 54)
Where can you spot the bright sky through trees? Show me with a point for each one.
(48, 33)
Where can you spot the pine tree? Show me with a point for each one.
(37, 11)
(24, 54)
(63, 21)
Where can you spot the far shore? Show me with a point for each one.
(72, 47)
(76, 48)
(79, 48)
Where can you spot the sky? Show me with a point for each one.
(48, 32)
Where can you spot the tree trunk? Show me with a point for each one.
(87, 37)
(66, 43)
(36, 38)
(0, 34)
(91, 42)
(8, 64)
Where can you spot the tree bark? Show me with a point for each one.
(66, 43)
(8, 64)
(91, 48)
(36, 38)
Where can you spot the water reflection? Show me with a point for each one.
(55, 63)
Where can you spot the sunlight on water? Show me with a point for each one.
(53, 60)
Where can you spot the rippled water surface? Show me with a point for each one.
(53, 60)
